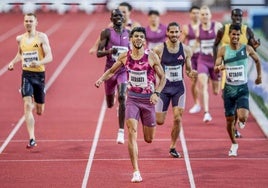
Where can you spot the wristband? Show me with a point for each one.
(157, 93)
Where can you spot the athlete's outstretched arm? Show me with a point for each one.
(256, 59)
(155, 63)
(251, 39)
(217, 41)
(46, 48)
(110, 72)
(218, 63)
(188, 64)
(17, 58)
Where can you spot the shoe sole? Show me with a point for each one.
(232, 155)
(136, 181)
(30, 147)
(174, 156)
(206, 121)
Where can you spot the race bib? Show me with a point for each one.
(120, 50)
(138, 78)
(235, 74)
(207, 46)
(173, 73)
(29, 57)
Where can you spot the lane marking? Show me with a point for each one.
(187, 159)
(140, 159)
(10, 33)
(94, 144)
(52, 79)
(156, 140)
(50, 31)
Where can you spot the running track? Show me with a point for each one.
(76, 135)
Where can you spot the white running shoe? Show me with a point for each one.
(241, 124)
(207, 117)
(195, 109)
(120, 136)
(233, 150)
(136, 177)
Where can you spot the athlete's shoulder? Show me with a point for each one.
(151, 53)
(19, 37)
(159, 49)
(41, 34)
(185, 47)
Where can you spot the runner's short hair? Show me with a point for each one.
(153, 12)
(31, 14)
(237, 11)
(172, 24)
(194, 7)
(125, 4)
(138, 29)
(236, 27)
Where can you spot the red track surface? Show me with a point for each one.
(70, 151)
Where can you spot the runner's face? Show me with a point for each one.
(30, 23)
(195, 15)
(117, 17)
(125, 12)
(205, 16)
(234, 36)
(237, 18)
(173, 33)
(154, 19)
(138, 40)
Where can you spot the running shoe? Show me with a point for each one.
(233, 150)
(238, 134)
(136, 177)
(195, 109)
(174, 153)
(241, 124)
(31, 144)
(207, 117)
(120, 136)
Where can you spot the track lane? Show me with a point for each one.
(66, 133)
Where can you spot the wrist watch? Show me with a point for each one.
(157, 93)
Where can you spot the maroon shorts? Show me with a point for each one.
(138, 106)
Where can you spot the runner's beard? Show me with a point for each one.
(173, 39)
(138, 46)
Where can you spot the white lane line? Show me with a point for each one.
(187, 159)
(10, 33)
(94, 144)
(156, 140)
(52, 79)
(140, 159)
(50, 31)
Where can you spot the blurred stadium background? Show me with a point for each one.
(256, 17)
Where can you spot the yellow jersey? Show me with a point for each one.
(243, 37)
(31, 51)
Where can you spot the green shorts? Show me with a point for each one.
(235, 97)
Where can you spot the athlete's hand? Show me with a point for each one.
(154, 98)
(255, 43)
(258, 80)
(34, 64)
(10, 67)
(192, 74)
(219, 68)
(113, 50)
(92, 50)
(98, 83)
